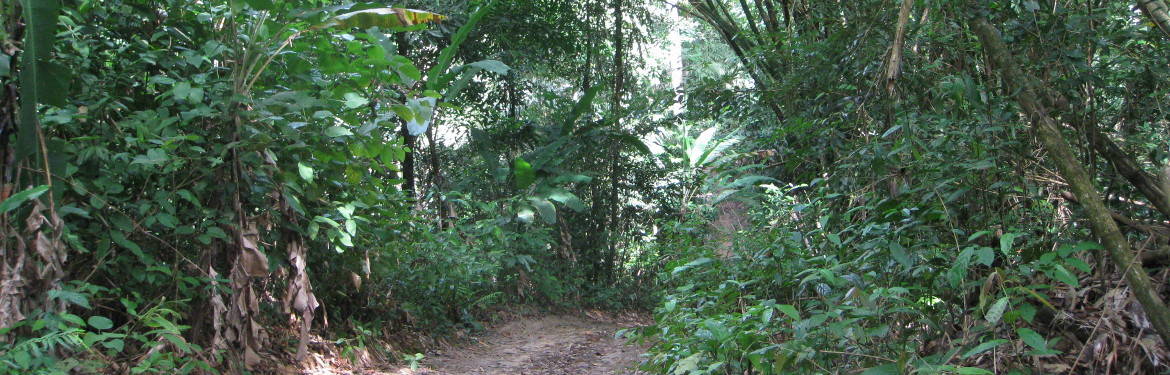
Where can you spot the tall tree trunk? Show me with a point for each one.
(612, 210)
(619, 74)
(409, 141)
(1099, 216)
(587, 75)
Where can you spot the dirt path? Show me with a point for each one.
(554, 345)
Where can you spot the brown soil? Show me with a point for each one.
(553, 345)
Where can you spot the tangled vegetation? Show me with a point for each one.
(789, 186)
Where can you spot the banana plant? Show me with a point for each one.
(706, 157)
(257, 59)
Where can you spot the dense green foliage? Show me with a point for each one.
(217, 164)
(790, 186)
(918, 230)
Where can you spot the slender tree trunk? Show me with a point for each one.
(1074, 173)
(677, 63)
(513, 98)
(894, 64)
(768, 13)
(787, 14)
(713, 14)
(587, 75)
(751, 19)
(409, 141)
(1128, 167)
(436, 173)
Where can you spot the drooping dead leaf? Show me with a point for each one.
(254, 261)
(243, 332)
(357, 280)
(31, 265)
(366, 264)
(11, 289)
(299, 296)
(218, 311)
(35, 218)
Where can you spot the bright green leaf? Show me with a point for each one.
(995, 312)
(17, 199)
(1063, 275)
(1032, 338)
(1005, 242)
(100, 322)
(524, 174)
(337, 131)
(154, 156)
(70, 296)
(116, 345)
(305, 171)
(525, 215)
(437, 77)
(886, 369)
(491, 66)
(790, 311)
(405, 69)
(984, 347)
(354, 100)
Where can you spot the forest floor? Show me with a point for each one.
(549, 345)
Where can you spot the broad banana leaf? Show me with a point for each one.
(386, 18)
(41, 80)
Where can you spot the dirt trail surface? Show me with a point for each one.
(553, 345)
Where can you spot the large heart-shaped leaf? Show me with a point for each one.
(493, 66)
(422, 111)
(524, 173)
(568, 199)
(547, 211)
